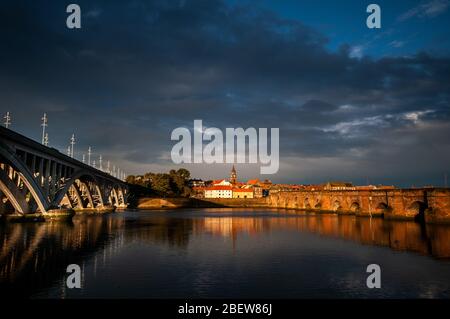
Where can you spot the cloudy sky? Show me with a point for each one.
(351, 103)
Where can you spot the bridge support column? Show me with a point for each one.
(438, 210)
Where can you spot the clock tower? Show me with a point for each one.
(233, 176)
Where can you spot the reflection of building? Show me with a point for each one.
(231, 226)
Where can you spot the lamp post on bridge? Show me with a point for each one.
(84, 158)
(7, 118)
(44, 125)
(72, 143)
(46, 139)
(100, 166)
(89, 155)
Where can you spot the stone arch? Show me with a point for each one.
(306, 203)
(417, 209)
(336, 205)
(355, 207)
(382, 208)
(295, 202)
(318, 204)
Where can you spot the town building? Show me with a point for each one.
(219, 192)
(221, 182)
(242, 193)
(339, 186)
(195, 182)
(233, 176)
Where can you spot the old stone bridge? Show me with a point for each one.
(38, 179)
(429, 204)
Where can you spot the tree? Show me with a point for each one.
(172, 184)
(131, 179)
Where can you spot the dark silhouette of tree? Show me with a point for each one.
(172, 184)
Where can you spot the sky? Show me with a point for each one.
(352, 103)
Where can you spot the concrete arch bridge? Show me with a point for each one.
(36, 179)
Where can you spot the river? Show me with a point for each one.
(224, 253)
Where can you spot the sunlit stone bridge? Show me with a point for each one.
(429, 204)
(39, 180)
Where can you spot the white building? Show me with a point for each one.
(221, 182)
(219, 192)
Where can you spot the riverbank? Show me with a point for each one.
(174, 203)
(367, 204)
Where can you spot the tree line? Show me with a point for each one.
(171, 184)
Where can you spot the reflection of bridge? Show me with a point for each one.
(431, 239)
(36, 179)
(433, 204)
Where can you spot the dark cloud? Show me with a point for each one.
(136, 70)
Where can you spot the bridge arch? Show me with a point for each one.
(355, 207)
(417, 209)
(36, 179)
(382, 208)
(12, 195)
(82, 176)
(295, 205)
(306, 203)
(9, 158)
(115, 197)
(336, 205)
(318, 204)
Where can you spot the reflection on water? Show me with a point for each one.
(224, 253)
(433, 240)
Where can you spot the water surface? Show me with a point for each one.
(224, 253)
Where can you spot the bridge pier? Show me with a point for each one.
(438, 210)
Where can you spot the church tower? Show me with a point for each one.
(233, 176)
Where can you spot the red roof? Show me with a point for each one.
(242, 190)
(253, 181)
(219, 188)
